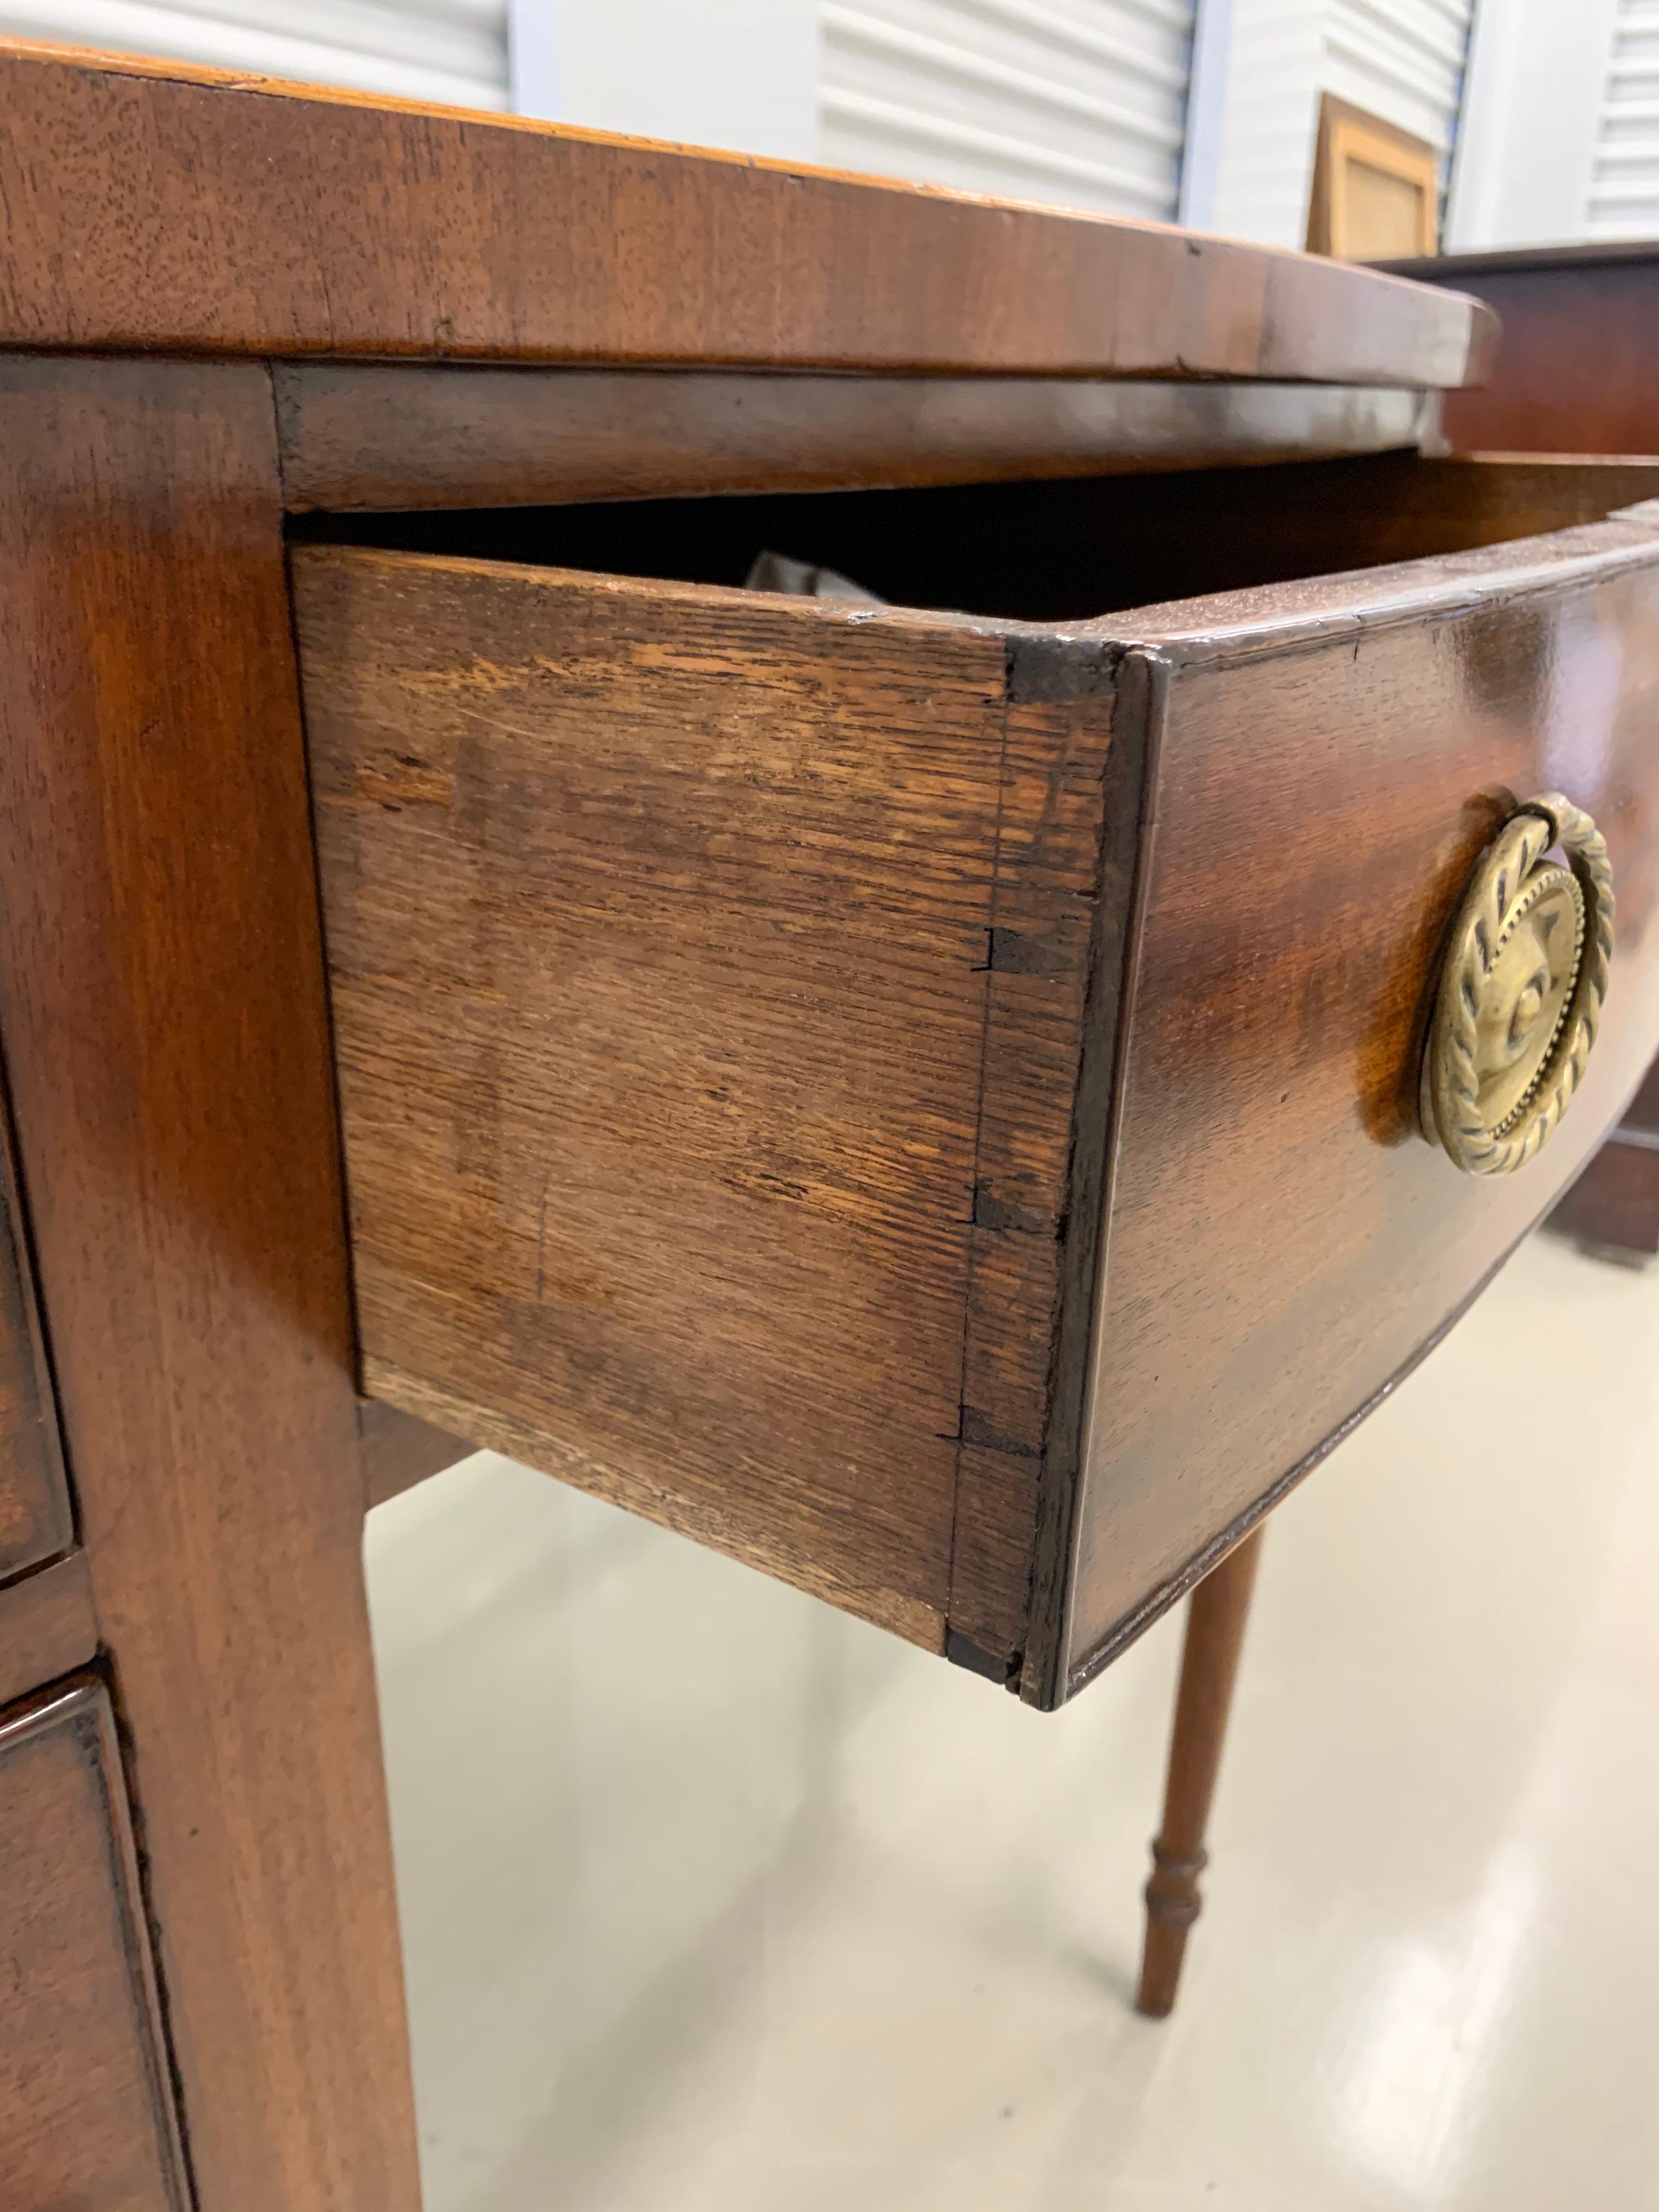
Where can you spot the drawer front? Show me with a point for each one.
(1330, 760)
(85, 2115)
(35, 1521)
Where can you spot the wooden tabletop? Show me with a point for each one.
(153, 207)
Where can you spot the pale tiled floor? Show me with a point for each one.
(712, 1899)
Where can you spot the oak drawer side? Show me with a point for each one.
(657, 921)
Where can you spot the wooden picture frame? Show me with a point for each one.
(1375, 194)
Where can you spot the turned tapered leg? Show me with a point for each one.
(1216, 1613)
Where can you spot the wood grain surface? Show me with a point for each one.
(1037, 1150)
(657, 923)
(36, 1519)
(86, 2121)
(154, 206)
(1331, 757)
(161, 998)
(358, 435)
(47, 1625)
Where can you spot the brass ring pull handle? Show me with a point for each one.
(1520, 990)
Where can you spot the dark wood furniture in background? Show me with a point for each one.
(1575, 373)
(1010, 1007)
(1615, 1205)
(1579, 372)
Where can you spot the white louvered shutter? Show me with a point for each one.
(1402, 60)
(452, 51)
(1076, 101)
(1624, 194)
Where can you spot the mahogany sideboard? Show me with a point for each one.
(920, 1090)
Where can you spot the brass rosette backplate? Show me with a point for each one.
(1521, 988)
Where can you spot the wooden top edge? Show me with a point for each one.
(157, 206)
(161, 69)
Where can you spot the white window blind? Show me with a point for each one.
(448, 51)
(1402, 60)
(1624, 193)
(1076, 101)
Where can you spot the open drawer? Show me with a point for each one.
(929, 1101)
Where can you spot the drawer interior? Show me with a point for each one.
(1047, 551)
